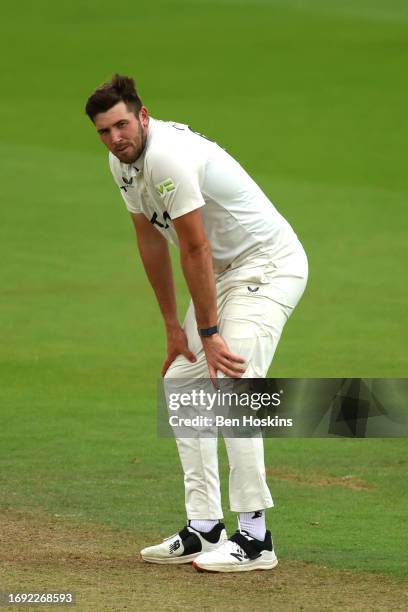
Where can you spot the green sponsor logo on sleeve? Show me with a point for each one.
(165, 187)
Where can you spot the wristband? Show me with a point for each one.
(205, 332)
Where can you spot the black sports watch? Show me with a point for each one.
(205, 332)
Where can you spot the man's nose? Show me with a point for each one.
(116, 137)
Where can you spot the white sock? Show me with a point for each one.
(253, 523)
(202, 525)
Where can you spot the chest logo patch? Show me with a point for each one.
(165, 187)
(128, 183)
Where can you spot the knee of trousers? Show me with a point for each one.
(183, 368)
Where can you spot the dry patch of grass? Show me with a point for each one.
(48, 553)
(315, 479)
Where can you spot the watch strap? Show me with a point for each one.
(205, 332)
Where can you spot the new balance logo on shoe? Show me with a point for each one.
(174, 546)
(239, 556)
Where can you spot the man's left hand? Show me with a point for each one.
(219, 358)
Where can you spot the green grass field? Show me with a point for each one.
(311, 98)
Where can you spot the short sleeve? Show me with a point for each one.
(173, 181)
(131, 201)
(128, 189)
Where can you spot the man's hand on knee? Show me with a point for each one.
(176, 345)
(219, 358)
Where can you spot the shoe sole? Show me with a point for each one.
(216, 569)
(171, 560)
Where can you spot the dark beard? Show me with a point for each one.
(143, 137)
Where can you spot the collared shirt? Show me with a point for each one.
(180, 171)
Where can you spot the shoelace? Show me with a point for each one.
(229, 547)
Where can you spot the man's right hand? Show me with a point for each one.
(176, 345)
(219, 358)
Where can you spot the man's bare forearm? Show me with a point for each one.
(198, 272)
(157, 264)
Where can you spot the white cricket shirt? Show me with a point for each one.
(180, 171)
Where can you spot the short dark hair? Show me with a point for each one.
(119, 89)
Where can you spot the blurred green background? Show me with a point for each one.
(311, 98)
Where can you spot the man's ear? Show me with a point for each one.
(144, 116)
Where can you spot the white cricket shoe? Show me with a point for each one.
(240, 553)
(185, 546)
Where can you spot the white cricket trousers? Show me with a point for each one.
(253, 306)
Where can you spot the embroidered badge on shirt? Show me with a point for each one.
(165, 187)
(128, 183)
